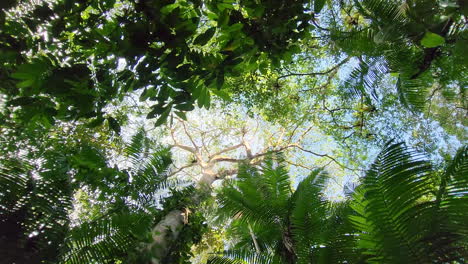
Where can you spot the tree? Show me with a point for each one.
(274, 224)
(400, 212)
(419, 41)
(163, 45)
(361, 72)
(180, 52)
(37, 202)
(214, 150)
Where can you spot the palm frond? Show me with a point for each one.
(250, 197)
(400, 218)
(244, 257)
(338, 237)
(33, 211)
(151, 172)
(412, 92)
(106, 240)
(364, 79)
(136, 148)
(388, 11)
(448, 231)
(385, 203)
(239, 205)
(277, 179)
(355, 42)
(308, 209)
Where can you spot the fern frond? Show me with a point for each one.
(135, 149)
(33, 211)
(412, 92)
(364, 79)
(308, 210)
(397, 214)
(387, 11)
(105, 240)
(244, 257)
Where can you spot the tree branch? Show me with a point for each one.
(316, 73)
(182, 168)
(188, 134)
(213, 157)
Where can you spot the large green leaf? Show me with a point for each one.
(203, 38)
(318, 5)
(432, 40)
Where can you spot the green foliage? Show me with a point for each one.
(403, 211)
(36, 203)
(162, 43)
(432, 40)
(402, 216)
(34, 211)
(108, 239)
(63, 62)
(412, 38)
(275, 224)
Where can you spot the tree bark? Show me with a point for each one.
(168, 229)
(164, 234)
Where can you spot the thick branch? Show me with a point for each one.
(248, 149)
(164, 234)
(176, 144)
(214, 156)
(225, 159)
(187, 148)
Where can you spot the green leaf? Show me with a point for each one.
(432, 40)
(220, 80)
(184, 107)
(202, 97)
(157, 109)
(163, 118)
(196, 91)
(25, 84)
(207, 99)
(181, 115)
(222, 6)
(169, 8)
(235, 27)
(203, 38)
(96, 122)
(114, 125)
(222, 94)
(147, 93)
(318, 5)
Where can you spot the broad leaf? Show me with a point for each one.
(432, 40)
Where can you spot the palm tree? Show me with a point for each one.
(420, 41)
(133, 209)
(272, 223)
(409, 213)
(35, 205)
(404, 211)
(33, 211)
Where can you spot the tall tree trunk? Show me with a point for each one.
(166, 232)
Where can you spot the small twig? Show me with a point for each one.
(316, 73)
